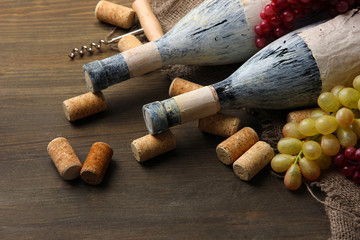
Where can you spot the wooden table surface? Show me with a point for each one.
(184, 194)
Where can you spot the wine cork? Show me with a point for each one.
(128, 42)
(115, 14)
(64, 158)
(236, 145)
(150, 146)
(253, 160)
(84, 105)
(179, 86)
(96, 163)
(217, 124)
(148, 20)
(299, 115)
(220, 125)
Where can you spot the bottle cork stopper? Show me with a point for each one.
(150, 146)
(299, 115)
(115, 14)
(128, 42)
(148, 20)
(220, 125)
(84, 105)
(64, 158)
(217, 124)
(96, 163)
(179, 86)
(236, 145)
(253, 160)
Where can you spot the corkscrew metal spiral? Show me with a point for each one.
(93, 46)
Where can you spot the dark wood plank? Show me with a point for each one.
(184, 194)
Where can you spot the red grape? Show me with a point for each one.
(340, 160)
(348, 170)
(350, 153)
(342, 6)
(357, 155)
(260, 42)
(263, 15)
(265, 26)
(269, 10)
(258, 31)
(275, 20)
(356, 176)
(279, 32)
(287, 16)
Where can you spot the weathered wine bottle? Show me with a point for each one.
(290, 72)
(216, 31)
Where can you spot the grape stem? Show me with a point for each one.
(298, 157)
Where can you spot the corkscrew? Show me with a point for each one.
(93, 46)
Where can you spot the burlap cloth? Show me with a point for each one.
(342, 201)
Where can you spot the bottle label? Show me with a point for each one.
(142, 59)
(334, 45)
(197, 104)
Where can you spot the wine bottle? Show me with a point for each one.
(215, 32)
(290, 72)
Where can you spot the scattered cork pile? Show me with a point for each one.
(241, 148)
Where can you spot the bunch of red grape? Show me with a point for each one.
(332, 131)
(278, 16)
(349, 161)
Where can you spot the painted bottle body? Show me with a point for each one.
(288, 73)
(215, 32)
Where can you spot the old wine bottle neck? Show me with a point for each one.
(180, 109)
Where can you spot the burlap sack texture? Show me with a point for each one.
(342, 201)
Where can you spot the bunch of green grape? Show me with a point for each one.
(309, 146)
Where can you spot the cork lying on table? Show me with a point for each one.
(217, 124)
(115, 14)
(96, 163)
(236, 145)
(299, 115)
(128, 42)
(84, 105)
(179, 86)
(253, 160)
(64, 158)
(148, 21)
(220, 125)
(150, 146)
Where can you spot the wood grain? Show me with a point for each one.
(184, 194)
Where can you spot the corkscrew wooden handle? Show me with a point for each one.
(148, 20)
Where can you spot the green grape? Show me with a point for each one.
(336, 89)
(309, 169)
(326, 124)
(356, 82)
(330, 145)
(311, 150)
(281, 162)
(349, 97)
(293, 178)
(328, 102)
(324, 161)
(356, 127)
(344, 117)
(307, 127)
(291, 129)
(317, 113)
(347, 137)
(288, 145)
